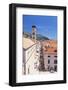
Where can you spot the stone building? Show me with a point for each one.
(50, 55)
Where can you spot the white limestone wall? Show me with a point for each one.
(31, 59)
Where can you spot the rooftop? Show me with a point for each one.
(27, 42)
(50, 46)
(50, 43)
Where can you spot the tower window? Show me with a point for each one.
(33, 37)
(33, 33)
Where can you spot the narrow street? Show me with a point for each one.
(41, 61)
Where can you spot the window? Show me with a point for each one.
(33, 33)
(55, 61)
(48, 56)
(55, 56)
(55, 50)
(28, 70)
(48, 67)
(55, 68)
(35, 65)
(33, 37)
(48, 61)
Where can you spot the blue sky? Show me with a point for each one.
(46, 25)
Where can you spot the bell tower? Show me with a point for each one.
(34, 33)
